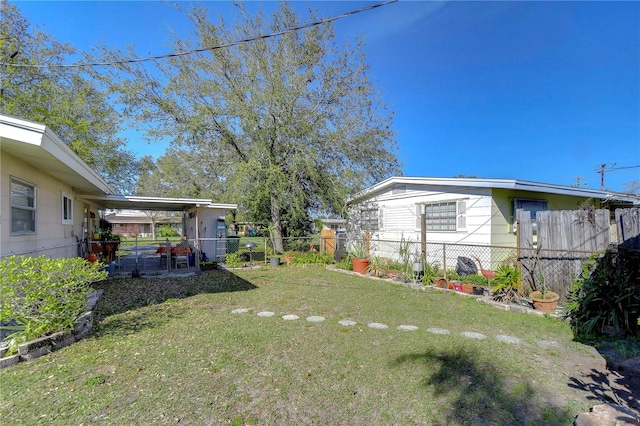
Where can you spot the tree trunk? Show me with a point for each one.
(278, 245)
(153, 228)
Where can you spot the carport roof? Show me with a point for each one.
(155, 203)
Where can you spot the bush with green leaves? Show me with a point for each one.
(473, 279)
(312, 258)
(41, 296)
(507, 283)
(431, 273)
(233, 260)
(345, 263)
(166, 231)
(607, 294)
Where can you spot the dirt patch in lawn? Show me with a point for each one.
(615, 382)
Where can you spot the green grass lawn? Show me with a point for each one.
(172, 351)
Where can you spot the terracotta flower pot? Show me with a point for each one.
(444, 283)
(548, 304)
(360, 265)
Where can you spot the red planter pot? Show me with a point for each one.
(360, 265)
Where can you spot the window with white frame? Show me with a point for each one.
(445, 216)
(371, 218)
(23, 207)
(67, 209)
(532, 206)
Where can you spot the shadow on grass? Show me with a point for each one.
(619, 381)
(619, 386)
(474, 392)
(119, 310)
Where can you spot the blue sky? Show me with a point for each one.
(541, 91)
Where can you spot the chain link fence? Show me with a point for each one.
(556, 269)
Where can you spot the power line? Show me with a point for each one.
(205, 49)
(608, 167)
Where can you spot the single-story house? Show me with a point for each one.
(51, 200)
(137, 222)
(464, 210)
(334, 224)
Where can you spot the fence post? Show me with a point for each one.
(367, 243)
(518, 246)
(444, 259)
(423, 234)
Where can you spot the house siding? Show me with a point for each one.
(502, 211)
(50, 232)
(210, 243)
(400, 217)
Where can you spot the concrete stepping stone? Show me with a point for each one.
(378, 325)
(347, 322)
(436, 330)
(266, 314)
(473, 335)
(240, 311)
(407, 327)
(508, 339)
(315, 318)
(290, 317)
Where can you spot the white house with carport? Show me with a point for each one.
(51, 200)
(465, 210)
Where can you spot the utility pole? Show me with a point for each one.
(610, 167)
(601, 171)
(577, 184)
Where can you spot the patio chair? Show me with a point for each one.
(181, 258)
(162, 251)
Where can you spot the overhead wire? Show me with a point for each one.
(209, 48)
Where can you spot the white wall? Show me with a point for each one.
(207, 218)
(400, 215)
(52, 238)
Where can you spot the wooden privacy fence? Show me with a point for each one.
(565, 239)
(628, 227)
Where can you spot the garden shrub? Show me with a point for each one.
(166, 231)
(345, 263)
(42, 296)
(607, 294)
(477, 280)
(431, 273)
(233, 260)
(507, 283)
(309, 258)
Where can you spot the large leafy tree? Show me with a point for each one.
(64, 99)
(183, 172)
(295, 117)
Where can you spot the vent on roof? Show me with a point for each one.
(399, 189)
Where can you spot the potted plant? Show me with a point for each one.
(544, 300)
(359, 260)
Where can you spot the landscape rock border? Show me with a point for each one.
(36, 348)
(480, 298)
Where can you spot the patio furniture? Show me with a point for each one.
(181, 257)
(162, 251)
